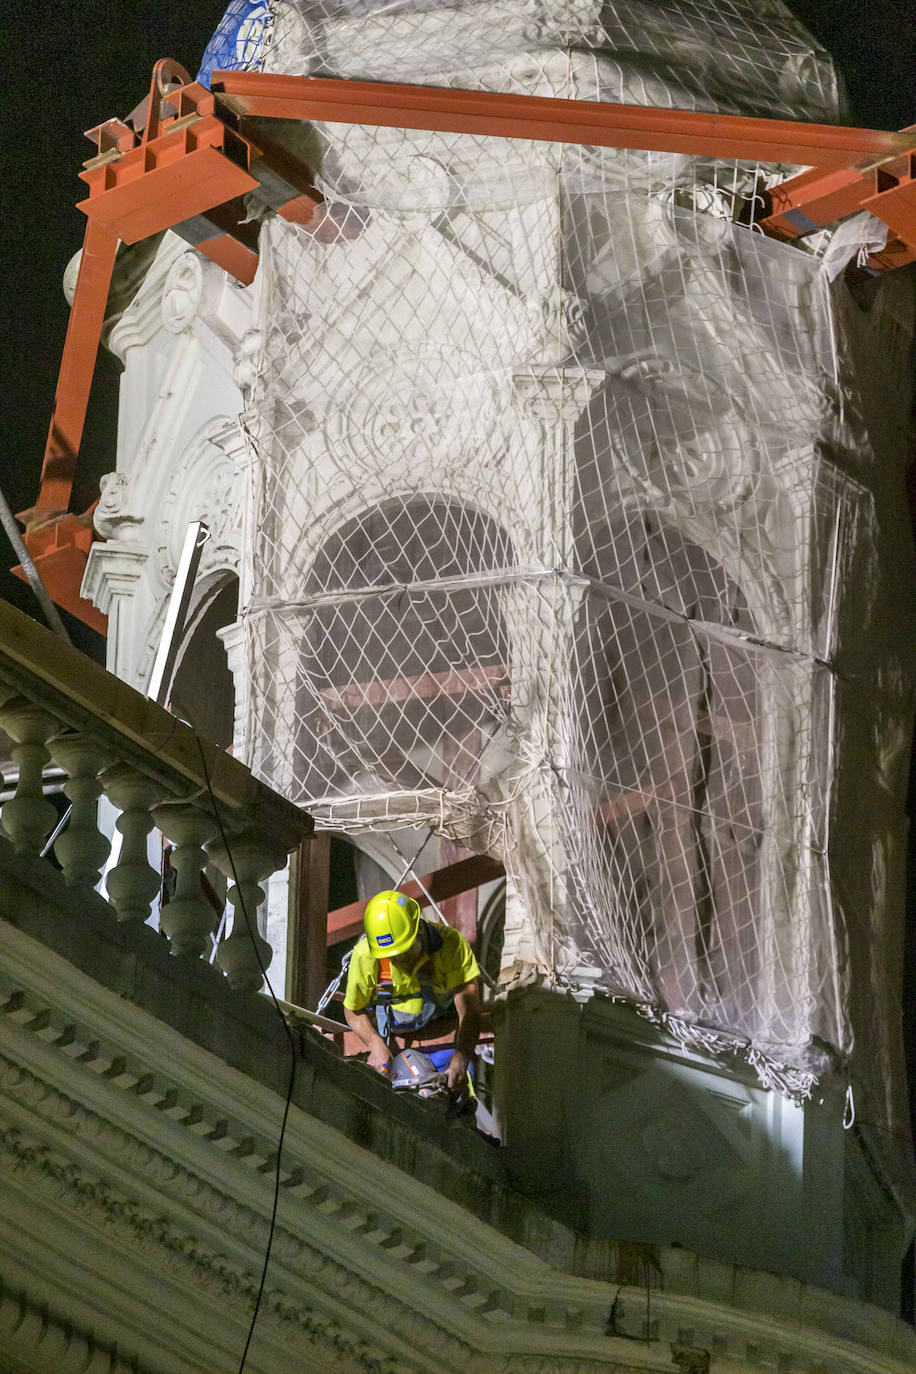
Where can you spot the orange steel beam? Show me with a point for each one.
(77, 365)
(450, 881)
(817, 198)
(188, 171)
(191, 167)
(894, 200)
(554, 121)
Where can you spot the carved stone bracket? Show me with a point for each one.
(113, 571)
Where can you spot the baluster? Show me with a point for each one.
(133, 882)
(81, 848)
(254, 861)
(28, 817)
(187, 919)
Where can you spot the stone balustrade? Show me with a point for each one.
(58, 707)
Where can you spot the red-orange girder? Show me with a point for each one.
(541, 118)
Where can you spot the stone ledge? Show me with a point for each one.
(241, 1029)
(192, 1001)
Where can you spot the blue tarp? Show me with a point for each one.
(236, 44)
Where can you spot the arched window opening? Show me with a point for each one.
(202, 690)
(404, 649)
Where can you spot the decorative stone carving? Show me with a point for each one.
(208, 486)
(423, 405)
(40, 1339)
(183, 1254)
(245, 954)
(132, 883)
(139, 1225)
(193, 287)
(247, 358)
(187, 919)
(112, 517)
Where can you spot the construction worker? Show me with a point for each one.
(409, 971)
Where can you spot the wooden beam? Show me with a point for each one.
(306, 948)
(347, 921)
(460, 911)
(390, 691)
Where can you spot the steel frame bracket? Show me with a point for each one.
(187, 158)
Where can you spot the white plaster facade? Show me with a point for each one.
(181, 455)
(411, 330)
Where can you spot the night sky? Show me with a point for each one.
(68, 67)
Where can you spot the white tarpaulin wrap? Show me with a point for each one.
(554, 513)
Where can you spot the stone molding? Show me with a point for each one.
(175, 1251)
(207, 485)
(113, 571)
(28, 1329)
(74, 1066)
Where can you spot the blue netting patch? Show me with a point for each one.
(236, 45)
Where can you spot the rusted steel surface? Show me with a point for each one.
(894, 202)
(60, 551)
(174, 178)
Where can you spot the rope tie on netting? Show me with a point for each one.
(849, 1109)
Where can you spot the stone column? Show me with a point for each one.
(28, 817)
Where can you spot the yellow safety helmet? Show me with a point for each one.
(391, 922)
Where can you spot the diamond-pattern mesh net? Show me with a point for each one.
(550, 515)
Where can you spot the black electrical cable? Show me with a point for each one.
(292, 1048)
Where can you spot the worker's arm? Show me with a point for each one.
(467, 1005)
(360, 1022)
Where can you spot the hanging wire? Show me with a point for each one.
(410, 869)
(291, 1042)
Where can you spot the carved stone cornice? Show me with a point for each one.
(181, 1253)
(115, 1119)
(29, 1331)
(208, 484)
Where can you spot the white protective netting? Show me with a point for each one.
(552, 512)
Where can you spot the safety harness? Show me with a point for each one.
(389, 1018)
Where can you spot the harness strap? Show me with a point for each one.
(385, 999)
(384, 976)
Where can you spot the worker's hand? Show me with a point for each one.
(380, 1056)
(457, 1075)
